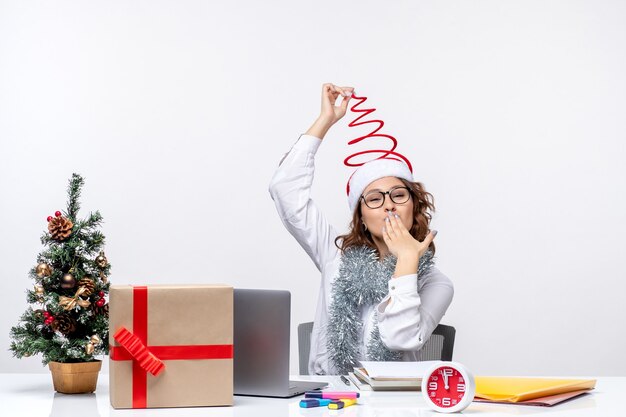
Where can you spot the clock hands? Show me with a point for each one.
(445, 379)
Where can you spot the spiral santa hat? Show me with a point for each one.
(389, 163)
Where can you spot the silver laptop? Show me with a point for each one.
(262, 322)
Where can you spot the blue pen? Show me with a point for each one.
(314, 402)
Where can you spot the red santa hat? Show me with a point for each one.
(372, 171)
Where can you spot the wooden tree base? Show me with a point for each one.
(75, 378)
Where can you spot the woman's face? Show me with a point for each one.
(374, 219)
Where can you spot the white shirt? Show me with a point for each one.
(406, 316)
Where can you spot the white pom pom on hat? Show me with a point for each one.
(372, 171)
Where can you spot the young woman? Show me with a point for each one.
(380, 296)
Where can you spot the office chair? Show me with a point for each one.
(439, 347)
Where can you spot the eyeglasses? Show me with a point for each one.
(376, 199)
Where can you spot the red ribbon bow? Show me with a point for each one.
(139, 351)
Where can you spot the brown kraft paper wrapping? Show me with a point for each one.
(176, 315)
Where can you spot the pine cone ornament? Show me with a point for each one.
(88, 284)
(63, 323)
(60, 228)
(98, 310)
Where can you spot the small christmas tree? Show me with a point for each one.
(70, 323)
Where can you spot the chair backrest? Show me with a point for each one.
(439, 346)
(304, 346)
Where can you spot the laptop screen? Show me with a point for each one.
(261, 341)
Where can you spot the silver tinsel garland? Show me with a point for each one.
(362, 281)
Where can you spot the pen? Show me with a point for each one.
(343, 403)
(345, 380)
(331, 395)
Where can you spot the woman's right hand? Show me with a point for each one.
(330, 113)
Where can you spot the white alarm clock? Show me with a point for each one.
(448, 387)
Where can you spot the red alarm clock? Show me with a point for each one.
(448, 387)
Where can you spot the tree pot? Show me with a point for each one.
(75, 378)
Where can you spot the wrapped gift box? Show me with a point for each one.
(171, 346)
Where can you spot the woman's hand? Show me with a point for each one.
(403, 246)
(330, 113)
(330, 92)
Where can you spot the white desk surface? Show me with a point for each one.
(33, 395)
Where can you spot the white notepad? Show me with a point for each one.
(395, 370)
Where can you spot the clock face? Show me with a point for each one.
(446, 387)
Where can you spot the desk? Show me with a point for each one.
(32, 395)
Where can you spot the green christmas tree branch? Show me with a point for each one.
(73, 191)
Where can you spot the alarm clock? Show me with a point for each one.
(448, 387)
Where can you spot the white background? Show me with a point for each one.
(177, 113)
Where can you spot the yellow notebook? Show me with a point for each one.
(515, 389)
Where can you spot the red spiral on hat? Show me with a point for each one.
(384, 153)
